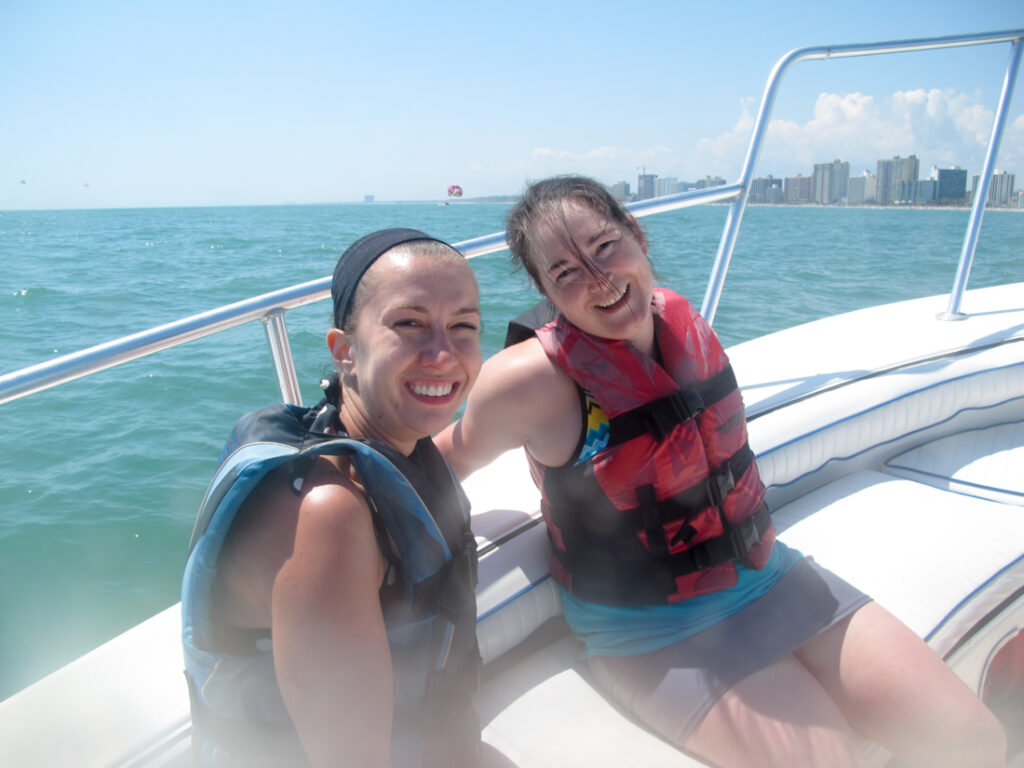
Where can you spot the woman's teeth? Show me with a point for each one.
(615, 299)
(433, 390)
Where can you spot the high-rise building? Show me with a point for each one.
(950, 185)
(831, 181)
(861, 189)
(645, 186)
(888, 174)
(855, 190)
(892, 172)
(620, 190)
(870, 187)
(926, 190)
(822, 184)
(1000, 189)
(841, 178)
(665, 185)
(760, 189)
(798, 189)
(709, 181)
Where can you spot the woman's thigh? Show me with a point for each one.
(778, 716)
(892, 687)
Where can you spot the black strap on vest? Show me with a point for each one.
(523, 327)
(658, 417)
(653, 513)
(614, 581)
(647, 574)
(734, 545)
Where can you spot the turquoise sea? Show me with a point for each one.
(100, 478)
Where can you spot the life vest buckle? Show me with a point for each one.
(720, 484)
(749, 533)
(745, 537)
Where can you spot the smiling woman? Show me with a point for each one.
(409, 348)
(692, 614)
(312, 592)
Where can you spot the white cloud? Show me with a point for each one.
(1011, 151)
(941, 127)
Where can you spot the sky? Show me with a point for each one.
(110, 103)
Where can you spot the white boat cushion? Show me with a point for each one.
(845, 426)
(919, 551)
(985, 462)
(515, 594)
(543, 712)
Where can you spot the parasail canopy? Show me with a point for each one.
(454, 190)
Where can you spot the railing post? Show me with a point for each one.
(281, 353)
(727, 244)
(981, 197)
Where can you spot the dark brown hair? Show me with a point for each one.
(545, 201)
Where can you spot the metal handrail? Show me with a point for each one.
(270, 308)
(732, 223)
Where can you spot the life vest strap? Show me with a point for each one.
(658, 417)
(686, 503)
(733, 545)
(445, 718)
(610, 580)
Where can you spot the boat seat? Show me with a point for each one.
(860, 425)
(859, 526)
(534, 707)
(986, 462)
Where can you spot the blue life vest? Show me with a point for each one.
(422, 522)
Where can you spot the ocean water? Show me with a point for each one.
(100, 478)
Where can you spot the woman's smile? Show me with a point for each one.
(619, 298)
(435, 392)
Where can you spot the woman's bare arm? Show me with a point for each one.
(330, 644)
(520, 400)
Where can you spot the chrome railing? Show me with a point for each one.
(732, 224)
(270, 308)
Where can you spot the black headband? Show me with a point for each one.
(357, 259)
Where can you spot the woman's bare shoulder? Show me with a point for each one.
(524, 369)
(523, 399)
(274, 522)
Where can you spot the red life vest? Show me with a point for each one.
(662, 511)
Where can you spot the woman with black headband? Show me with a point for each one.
(331, 534)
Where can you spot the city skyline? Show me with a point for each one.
(121, 104)
(897, 180)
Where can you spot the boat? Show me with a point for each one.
(907, 418)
